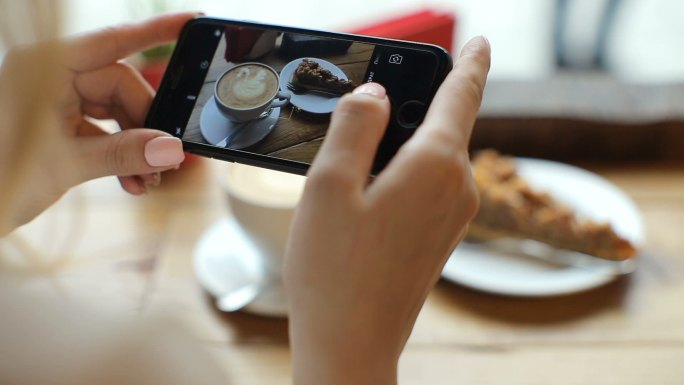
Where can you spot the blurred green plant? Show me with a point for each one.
(148, 8)
(159, 53)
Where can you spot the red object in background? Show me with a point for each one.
(153, 72)
(425, 26)
(239, 42)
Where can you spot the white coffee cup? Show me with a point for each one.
(247, 91)
(263, 203)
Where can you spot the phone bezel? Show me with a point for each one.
(444, 66)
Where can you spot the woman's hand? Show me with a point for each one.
(93, 83)
(363, 257)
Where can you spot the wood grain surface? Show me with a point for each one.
(628, 332)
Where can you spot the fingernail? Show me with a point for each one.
(164, 151)
(374, 89)
(477, 43)
(485, 41)
(482, 40)
(152, 180)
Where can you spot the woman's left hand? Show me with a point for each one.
(94, 83)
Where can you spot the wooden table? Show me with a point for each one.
(140, 253)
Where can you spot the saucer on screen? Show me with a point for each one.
(226, 259)
(507, 272)
(216, 128)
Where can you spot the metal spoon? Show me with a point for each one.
(228, 139)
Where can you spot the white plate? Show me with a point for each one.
(313, 103)
(501, 272)
(216, 128)
(226, 259)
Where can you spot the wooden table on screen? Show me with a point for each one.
(628, 332)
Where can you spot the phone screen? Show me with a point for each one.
(241, 91)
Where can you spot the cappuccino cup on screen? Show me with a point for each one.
(248, 91)
(263, 203)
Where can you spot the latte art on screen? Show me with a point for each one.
(247, 86)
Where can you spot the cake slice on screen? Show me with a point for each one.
(311, 75)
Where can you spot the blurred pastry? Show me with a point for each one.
(511, 208)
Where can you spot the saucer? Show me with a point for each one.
(507, 272)
(226, 259)
(313, 103)
(215, 127)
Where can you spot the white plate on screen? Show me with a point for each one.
(311, 102)
(497, 271)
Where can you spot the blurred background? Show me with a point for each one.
(638, 39)
(570, 79)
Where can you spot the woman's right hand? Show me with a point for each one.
(363, 257)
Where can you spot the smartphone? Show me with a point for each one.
(263, 94)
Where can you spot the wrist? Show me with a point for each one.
(332, 367)
(332, 353)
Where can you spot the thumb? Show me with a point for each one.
(129, 152)
(356, 128)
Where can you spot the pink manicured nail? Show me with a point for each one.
(164, 151)
(374, 89)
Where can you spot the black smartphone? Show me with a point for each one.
(263, 94)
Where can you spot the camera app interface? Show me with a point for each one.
(272, 93)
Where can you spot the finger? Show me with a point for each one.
(106, 112)
(455, 107)
(127, 153)
(97, 49)
(356, 128)
(117, 84)
(139, 184)
(87, 128)
(96, 110)
(133, 185)
(152, 179)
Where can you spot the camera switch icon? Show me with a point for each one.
(395, 58)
